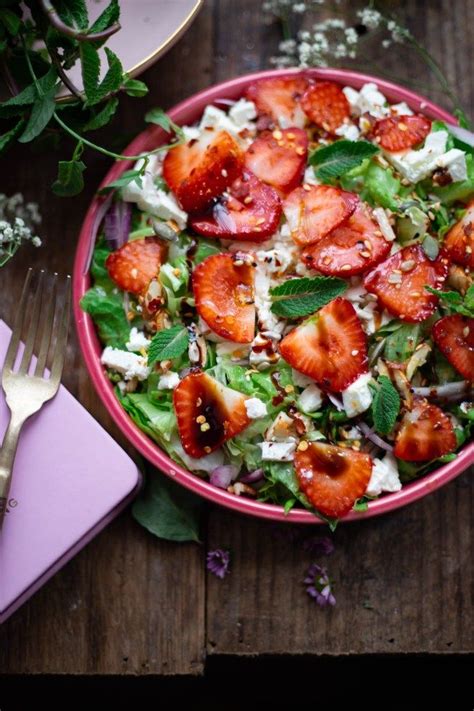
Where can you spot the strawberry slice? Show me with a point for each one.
(326, 105)
(279, 99)
(425, 433)
(353, 248)
(223, 290)
(398, 133)
(279, 157)
(314, 210)
(331, 477)
(200, 170)
(400, 282)
(250, 210)
(459, 242)
(454, 336)
(208, 413)
(136, 263)
(329, 347)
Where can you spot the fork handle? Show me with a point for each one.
(7, 457)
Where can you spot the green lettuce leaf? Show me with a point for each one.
(381, 187)
(104, 302)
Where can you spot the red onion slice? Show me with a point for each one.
(370, 434)
(222, 476)
(252, 477)
(117, 224)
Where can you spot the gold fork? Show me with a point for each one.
(25, 393)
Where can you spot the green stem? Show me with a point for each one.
(105, 151)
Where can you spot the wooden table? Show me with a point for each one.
(132, 604)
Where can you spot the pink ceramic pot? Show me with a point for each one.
(187, 112)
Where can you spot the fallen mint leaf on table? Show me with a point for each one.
(304, 296)
(340, 157)
(167, 509)
(385, 406)
(167, 344)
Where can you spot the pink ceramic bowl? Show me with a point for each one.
(187, 112)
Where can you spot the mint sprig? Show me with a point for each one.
(300, 297)
(340, 157)
(169, 343)
(385, 406)
(454, 302)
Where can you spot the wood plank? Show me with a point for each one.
(128, 603)
(413, 567)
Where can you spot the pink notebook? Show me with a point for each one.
(70, 479)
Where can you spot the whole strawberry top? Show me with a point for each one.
(285, 295)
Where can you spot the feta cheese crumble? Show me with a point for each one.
(168, 381)
(310, 399)
(151, 199)
(130, 365)
(278, 451)
(137, 341)
(368, 100)
(415, 165)
(384, 476)
(255, 408)
(357, 398)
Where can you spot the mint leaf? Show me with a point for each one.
(124, 180)
(454, 302)
(168, 510)
(160, 118)
(134, 87)
(107, 18)
(30, 93)
(385, 406)
(103, 117)
(70, 180)
(300, 297)
(90, 65)
(41, 113)
(169, 343)
(340, 157)
(10, 21)
(77, 11)
(112, 80)
(7, 138)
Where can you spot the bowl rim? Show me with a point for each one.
(186, 112)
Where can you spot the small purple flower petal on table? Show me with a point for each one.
(217, 562)
(318, 585)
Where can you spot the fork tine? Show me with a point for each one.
(18, 325)
(33, 327)
(61, 340)
(47, 330)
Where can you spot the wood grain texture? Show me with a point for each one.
(412, 568)
(131, 604)
(128, 603)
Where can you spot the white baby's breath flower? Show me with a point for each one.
(17, 221)
(369, 17)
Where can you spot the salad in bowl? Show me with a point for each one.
(284, 296)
